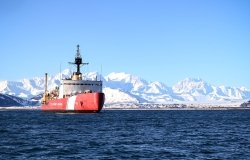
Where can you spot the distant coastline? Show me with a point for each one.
(150, 106)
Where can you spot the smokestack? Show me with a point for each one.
(46, 82)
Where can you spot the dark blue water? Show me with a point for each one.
(126, 134)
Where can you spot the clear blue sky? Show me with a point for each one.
(158, 40)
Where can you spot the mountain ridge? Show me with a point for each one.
(126, 88)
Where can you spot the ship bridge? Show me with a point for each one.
(76, 85)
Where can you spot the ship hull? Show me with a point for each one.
(85, 102)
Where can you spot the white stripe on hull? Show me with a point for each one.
(71, 103)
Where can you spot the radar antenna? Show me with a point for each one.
(78, 62)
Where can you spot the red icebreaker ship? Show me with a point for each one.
(74, 94)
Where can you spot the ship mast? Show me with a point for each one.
(78, 62)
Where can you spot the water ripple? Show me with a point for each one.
(125, 135)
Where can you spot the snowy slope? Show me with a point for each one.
(116, 95)
(126, 88)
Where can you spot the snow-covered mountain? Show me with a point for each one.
(127, 88)
(198, 90)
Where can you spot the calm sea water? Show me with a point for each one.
(126, 134)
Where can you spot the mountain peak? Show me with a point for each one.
(193, 80)
(191, 85)
(120, 76)
(66, 72)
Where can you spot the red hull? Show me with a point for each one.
(87, 102)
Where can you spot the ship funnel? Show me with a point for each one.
(45, 95)
(46, 82)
